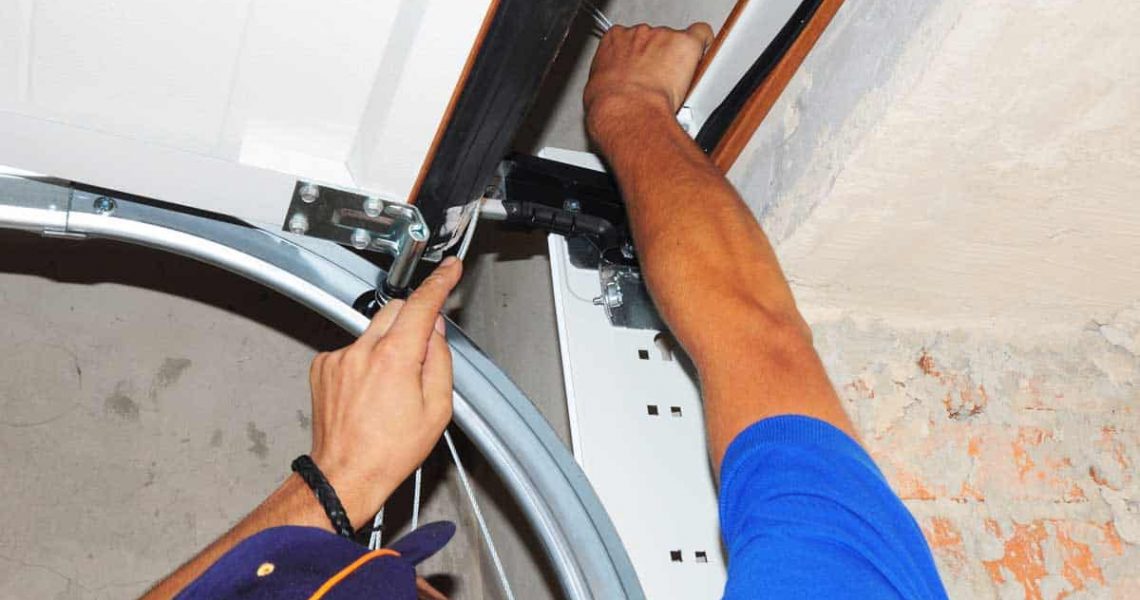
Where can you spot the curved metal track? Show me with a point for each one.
(552, 491)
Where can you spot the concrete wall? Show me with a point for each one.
(148, 402)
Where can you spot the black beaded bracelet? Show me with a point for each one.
(305, 467)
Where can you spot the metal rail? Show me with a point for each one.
(553, 493)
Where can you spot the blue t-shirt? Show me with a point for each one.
(805, 513)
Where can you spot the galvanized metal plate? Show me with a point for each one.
(638, 432)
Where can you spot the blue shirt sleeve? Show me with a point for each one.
(805, 513)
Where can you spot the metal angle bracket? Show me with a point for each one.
(364, 222)
(626, 299)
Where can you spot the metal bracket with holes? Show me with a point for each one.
(626, 299)
(364, 222)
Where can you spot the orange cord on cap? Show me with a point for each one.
(345, 572)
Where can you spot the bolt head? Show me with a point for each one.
(614, 298)
(298, 224)
(627, 250)
(611, 296)
(572, 205)
(360, 239)
(309, 193)
(104, 205)
(418, 231)
(372, 207)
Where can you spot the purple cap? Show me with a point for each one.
(296, 562)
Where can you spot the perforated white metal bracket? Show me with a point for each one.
(638, 432)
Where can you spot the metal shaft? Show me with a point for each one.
(404, 266)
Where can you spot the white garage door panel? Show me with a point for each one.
(347, 92)
(302, 82)
(157, 70)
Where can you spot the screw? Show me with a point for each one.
(372, 207)
(104, 205)
(627, 250)
(298, 224)
(418, 231)
(360, 239)
(611, 296)
(572, 205)
(309, 193)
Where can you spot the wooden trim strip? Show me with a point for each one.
(760, 103)
(459, 85)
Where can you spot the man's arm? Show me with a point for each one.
(708, 265)
(379, 406)
(804, 512)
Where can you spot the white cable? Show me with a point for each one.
(375, 540)
(599, 16)
(416, 499)
(479, 517)
(600, 19)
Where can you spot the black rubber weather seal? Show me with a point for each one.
(521, 43)
(726, 112)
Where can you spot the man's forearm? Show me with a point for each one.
(291, 504)
(696, 239)
(713, 275)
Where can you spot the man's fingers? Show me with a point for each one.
(702, 32)
(425, 591)
(437, 378)
(417, 318)
(381, 323)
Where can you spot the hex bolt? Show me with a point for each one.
(298, 224)
(309, 193)
(611, 296)
(628, 251)
(360, 239)
(372, 207)
(104, 205)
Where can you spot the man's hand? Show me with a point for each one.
(642, 67)
(381, 403)
(379, 406)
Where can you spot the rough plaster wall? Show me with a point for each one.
(870, 51)
(970, 275)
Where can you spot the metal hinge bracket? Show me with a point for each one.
(626, 299)
(364, 222)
